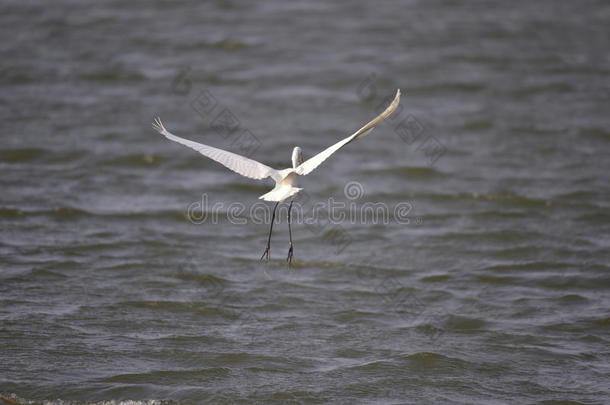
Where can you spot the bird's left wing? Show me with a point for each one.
(310, 164)
(239, 164)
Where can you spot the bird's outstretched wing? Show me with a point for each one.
(239, 164)
(310, 164)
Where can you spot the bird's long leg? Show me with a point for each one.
(290, 250)
(266, 252)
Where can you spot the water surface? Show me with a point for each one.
(494, 292)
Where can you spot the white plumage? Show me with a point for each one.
(285, 179)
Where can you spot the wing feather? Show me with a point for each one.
(239, 164)
(310, 164)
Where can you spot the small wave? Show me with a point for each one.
(525, 92)
(25, 155)
(18, 77)
(496, 236)
(14, 399)
(434, 278)
(412, 172)
(354, 315)
(231, 44)
(534, 130)
(513, 198)
(596, 218)
(529, 266)
(225, 44)
(579, 196)
(201, 308)
(255, 361)
(477, 125)
(417, 362)
(572, 299)
(11, 212)
(38, 275)
(59, 212)
(488, 279)
(507, 197)
(207, 280)
(376, 366)
(481, 59)
(170, 377)
(596, 133)
(451, 88)
(179, 340)
(425, 361)
(65, 213)
(112, 75)
(463, 323)
(502, 214)
(135, 160)
(20, 155)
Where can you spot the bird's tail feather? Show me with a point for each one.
(280, 193)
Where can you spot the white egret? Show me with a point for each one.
(285, 180)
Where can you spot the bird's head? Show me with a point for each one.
(297, 157)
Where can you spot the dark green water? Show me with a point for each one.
(496, 291)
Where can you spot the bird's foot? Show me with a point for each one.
(290, 253)
(265, 255)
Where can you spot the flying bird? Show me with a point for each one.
(286, 179)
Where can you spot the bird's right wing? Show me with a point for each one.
(239, 164)
(310, 164)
